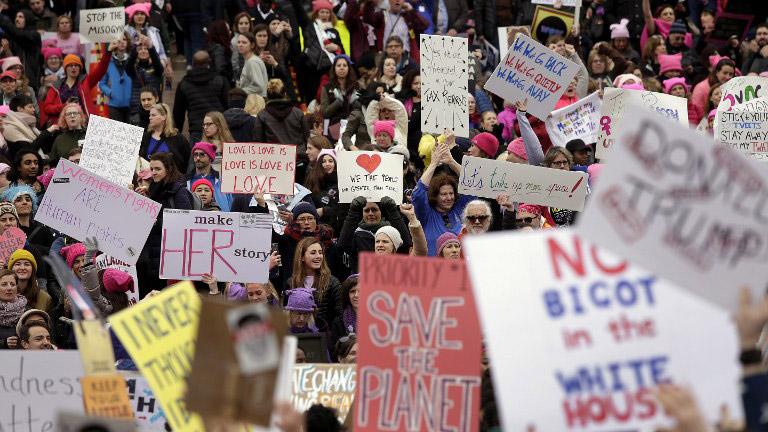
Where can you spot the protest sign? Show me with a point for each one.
(106, 395)
(95, 347)
(332, 385)
(534, 72)
(251, 167)
(105, 261)
(82, 204)
(529, 184)
(730, 24)
(549, 22)
(11, 239)
(35, 385)
(744, 131)
(757, 105)
(593, 335)
(676, 203)
(111, 149)
(507, 36)
(614, 107)
(739, 90)
(159, 334)
(577, 121)
(444, 77)
(371, 174)
(569, 3)
(147, 411)
(233, 247)
(102, 25)
(418, 363)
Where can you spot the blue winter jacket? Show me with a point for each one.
(116, 86)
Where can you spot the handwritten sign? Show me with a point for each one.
(692, 211)
(743, 131)
(332, 385)
(444, 77)
(530, 184)
(739, 90)
(576, 121)
(105, 261)
(420, 373)
(159, 334)
(757, 105)
(233, 247)
(593, 335)
(373, 175)
(111, 149)
(614, 107)
(36, 385)
(251, 167)
(531, 70)
(105, 395)
(147, 411)
(11, 239)
(82, 204)
(102, 25)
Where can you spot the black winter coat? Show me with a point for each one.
(357, 236)
(177, 144)
(199, 92)
(170, 196)
(241, 124)
(328, 305)
(281, 122)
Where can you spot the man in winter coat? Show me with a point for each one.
(200, 91)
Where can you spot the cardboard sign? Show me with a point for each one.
(577, 121)
(524, 183)
(147, 411)
(35, 385)
(11, 239)
(159, 334)
(730, 24)
(371, 174)
(599, 336)
(233, 247)
(613, 113)
(105, 395)
(82, 204)
(549, 21)
(105, 261)
(534, 72)
(332, 385)
(676, 203)
(254, 338)
(111, 149)
(102, 25)
(95, 347)
(739, 90)
(444, 77)
(250, 167)
(418, 363)
(744, 131)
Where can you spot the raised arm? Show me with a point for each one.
(531, 141)
(650, 25)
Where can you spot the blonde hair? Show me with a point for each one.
(223, 134)
(275, 89)
(165, 110)
(254, 104)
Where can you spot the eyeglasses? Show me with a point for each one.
(198, 155)
(526, 220)
(478, 218)
(72, 114)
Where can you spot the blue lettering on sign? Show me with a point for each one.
(615, 376)
(537, 93)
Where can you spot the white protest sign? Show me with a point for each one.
(615, 104)
(577, 121)
(743, 131)
(233, 247)
(146, 408)
(102, 25)
(251, 167)
(534, 72)
(332, 385)
(36, 385)
(676, 203)
(743, 89)
(444, 79)
(105, 261)
(524, 183)
(756, 105)
(373, 175)
(111, 149)
(82, 204)
(599, 336)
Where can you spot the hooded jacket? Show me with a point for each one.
(116, 84)
(199, 92)
(241, 124)
(19, 126)
(281, 122)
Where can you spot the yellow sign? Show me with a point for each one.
(95, 347)
(159, 333)
(106, 396)
(549, 21)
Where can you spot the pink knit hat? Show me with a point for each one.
(619, 81)
(49, 52)
(207, 148)
(594, 172)
(329, 152)
(670, 63)
(620, 30)
(487, 143)
(634, 86)
(117, 281)
(138, 7)
(530, 208)
(10, 62)
(321, 4)
(517, 148)
(386, 126)
(71, 252)
(444, 239)
(45, 178)
(669, 83)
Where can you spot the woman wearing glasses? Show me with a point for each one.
(216, 131)
(72, 124)
(161, 136)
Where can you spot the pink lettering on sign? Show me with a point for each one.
(199, 241)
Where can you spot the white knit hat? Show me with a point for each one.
(392, 233)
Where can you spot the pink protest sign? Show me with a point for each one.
(11, 239)
(251, 167)
(418, 367)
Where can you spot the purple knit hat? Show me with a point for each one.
(301, 300)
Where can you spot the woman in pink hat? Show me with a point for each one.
(138, 24)
(322, 42)
(53, 69)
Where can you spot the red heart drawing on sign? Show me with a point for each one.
(369, 162)
(11, 239)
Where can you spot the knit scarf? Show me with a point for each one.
(10, 312)
(349, 316)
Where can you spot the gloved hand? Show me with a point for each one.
(359, 202)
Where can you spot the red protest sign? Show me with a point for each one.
(418, 365)
(11, 239)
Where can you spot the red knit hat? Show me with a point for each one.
(201, 182)
(487, 143)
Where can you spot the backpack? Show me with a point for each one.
(197, 203)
